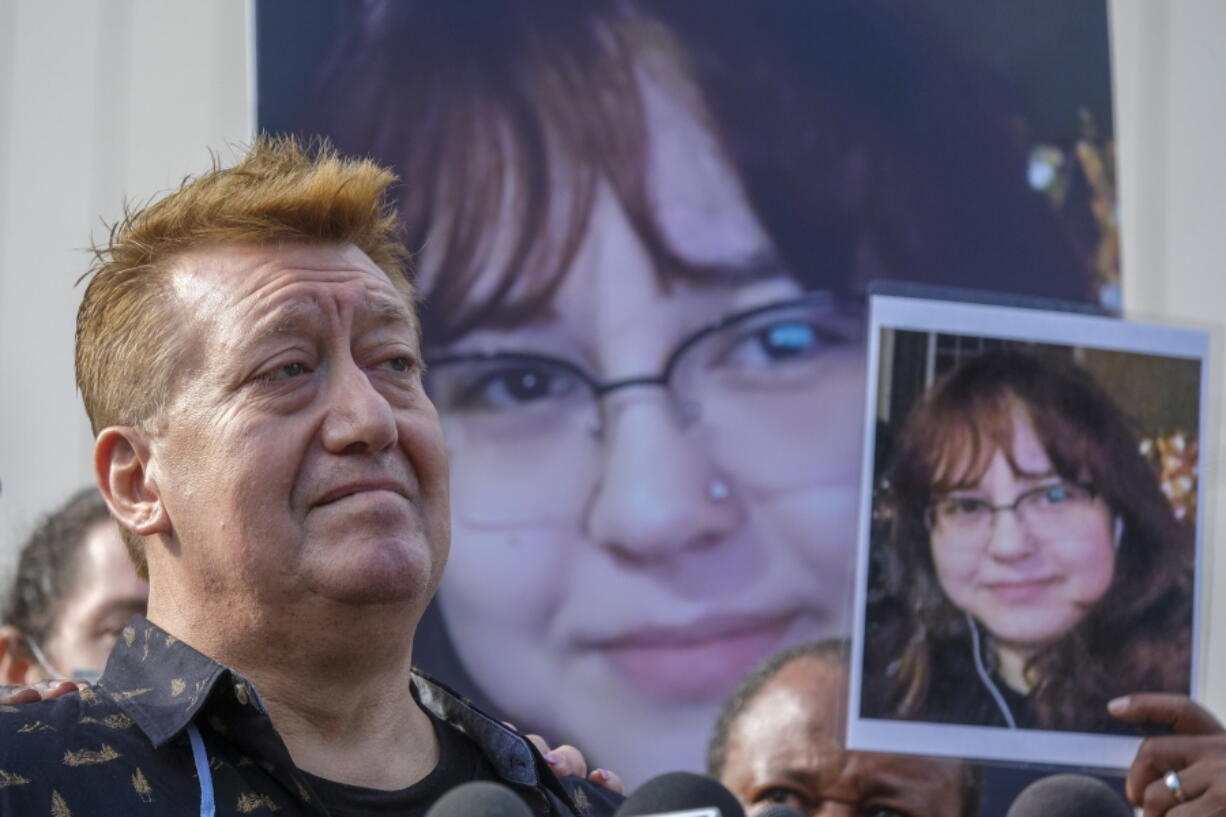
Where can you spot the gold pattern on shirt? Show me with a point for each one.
(116, 721)
(58, 807)
(88, 757)
(200, 685)
(143, 789)
(302, 790)
(177, 685)
(89, 696)
(249, 802)
(581, 802)
(132, 693)
(7, 708)
(11, 779)
(129, 635)
(171, 640)
(240, 692)
(36, 726)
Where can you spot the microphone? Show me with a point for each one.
(480, 798)
(681, 794)
(1069, 795)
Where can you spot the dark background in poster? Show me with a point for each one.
(1044, 47)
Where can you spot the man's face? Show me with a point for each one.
(105, 592)
(298, 457)
(786, 747)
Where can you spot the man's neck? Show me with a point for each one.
(336, 684)
(370, 734)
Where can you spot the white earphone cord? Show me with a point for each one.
(986, 678)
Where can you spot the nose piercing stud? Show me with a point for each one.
(718, 490)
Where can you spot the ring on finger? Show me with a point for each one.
(1171, 781)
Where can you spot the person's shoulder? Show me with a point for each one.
(41, 722)
(70, 754)
(53, 733)
(34, 739)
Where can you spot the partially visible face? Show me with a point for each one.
(299, 458)
(1028, 587)
(786, 748)
(105, 593)
(631, 557)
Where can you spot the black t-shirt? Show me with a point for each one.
(459, 761)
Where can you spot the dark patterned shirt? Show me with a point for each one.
(168, 730)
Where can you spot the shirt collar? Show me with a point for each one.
(508, 751)
(159, 681)
(162, 683)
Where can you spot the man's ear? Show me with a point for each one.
(122, 461)
(17, 664)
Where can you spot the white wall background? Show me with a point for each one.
(105, 98)
(1169, 59)
(99, 99)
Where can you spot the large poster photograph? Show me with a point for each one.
(644, 235)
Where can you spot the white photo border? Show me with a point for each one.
(893, 312)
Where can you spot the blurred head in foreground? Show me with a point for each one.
(73, 589)
(779, 739)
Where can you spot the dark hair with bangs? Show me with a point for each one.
(867, 146)
(972, 416)
(499, 112)
(1138, 637)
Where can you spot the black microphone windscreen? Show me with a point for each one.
(479, 798)
(779, 811)
(1069, 795)
(680, 792)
